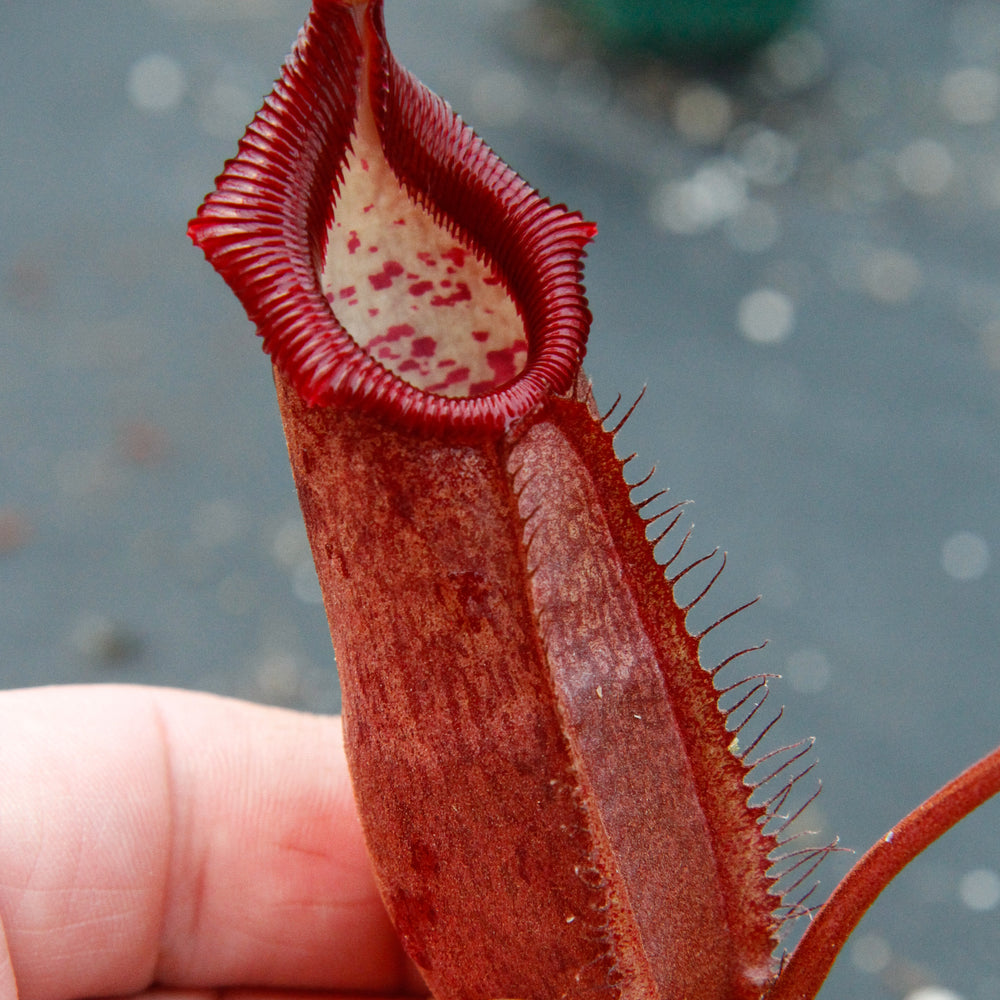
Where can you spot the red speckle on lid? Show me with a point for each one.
(461, 294)
(377, 345)
(394, 333)
(502, 362)
(456, 375)
(383, 279)
(423, 347)
(421, 287)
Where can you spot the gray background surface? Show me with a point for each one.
(851, 465)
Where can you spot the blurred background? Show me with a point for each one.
(798, 256)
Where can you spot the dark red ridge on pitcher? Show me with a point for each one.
(264, 229)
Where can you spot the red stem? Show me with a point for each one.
(810, 963)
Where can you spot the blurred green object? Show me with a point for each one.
(690, 30)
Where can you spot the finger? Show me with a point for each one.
(157, 836)
(243, 994)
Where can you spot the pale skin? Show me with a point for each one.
(170, 844)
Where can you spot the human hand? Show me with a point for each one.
(180, 845)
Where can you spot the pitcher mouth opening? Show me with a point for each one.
(407, 288)
(392, 263)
